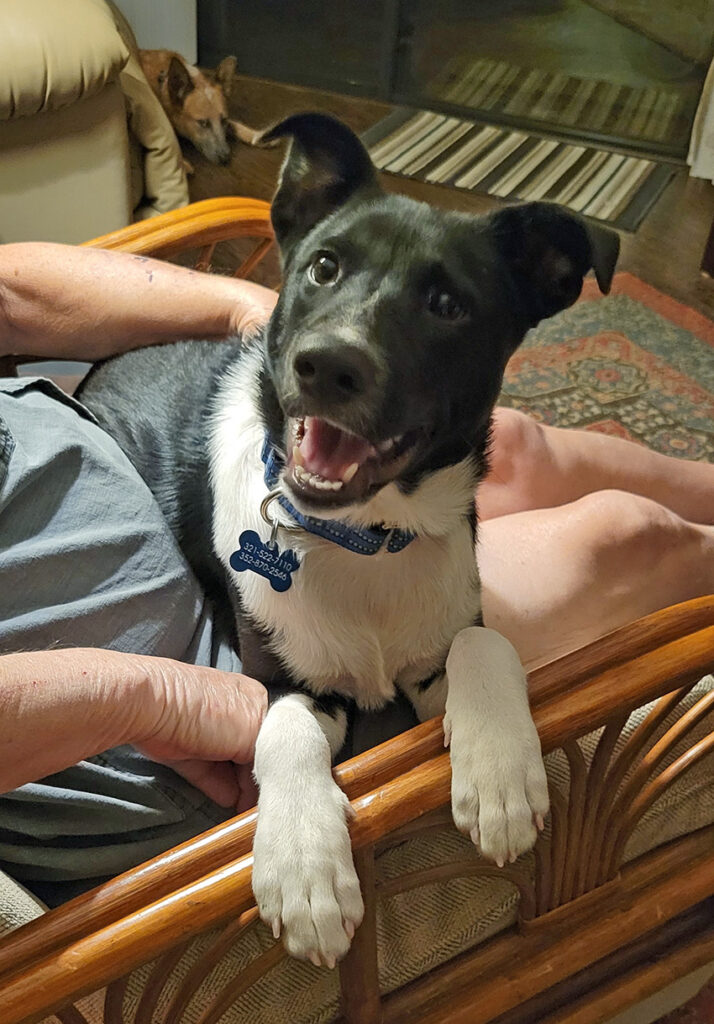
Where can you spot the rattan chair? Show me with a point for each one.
(594, 931)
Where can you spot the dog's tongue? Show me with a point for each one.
(330, 452)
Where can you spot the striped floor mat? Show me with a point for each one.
(653, 114)
(511, 164)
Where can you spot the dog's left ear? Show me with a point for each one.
(325, 166)
(179, 82)
(223, 74)
(549, 251)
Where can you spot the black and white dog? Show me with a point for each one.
(321, 481)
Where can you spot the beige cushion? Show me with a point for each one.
(422, 928)
(55, 53)
(158, 179)
(64, 173)
(17, 905)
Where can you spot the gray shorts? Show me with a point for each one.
(87, 560)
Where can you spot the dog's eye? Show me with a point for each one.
(203, 123)
(445, 306)
(324, 268)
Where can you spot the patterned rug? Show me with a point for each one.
(634, 364)
(515, 164)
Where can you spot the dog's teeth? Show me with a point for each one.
(297, 456)
(319, 481)
(350, 472)
(314, 479)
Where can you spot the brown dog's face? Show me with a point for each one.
(198, 109)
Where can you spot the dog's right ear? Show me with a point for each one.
(179, 82)
(325, 166)
(224, 73)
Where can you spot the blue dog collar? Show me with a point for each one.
(363, 540)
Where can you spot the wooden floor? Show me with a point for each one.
(665, 251)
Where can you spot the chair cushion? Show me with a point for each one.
(53, 54)
(17, 905)
(158, 177)
(426, 926)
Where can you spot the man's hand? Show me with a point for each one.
(206, 727)
(252, 309)
(59, 707)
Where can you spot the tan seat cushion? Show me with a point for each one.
(53, 54)
(17, 905)
(158, 179)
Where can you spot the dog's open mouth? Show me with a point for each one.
(330, 466)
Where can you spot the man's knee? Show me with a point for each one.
(517, 441)
(623, 528)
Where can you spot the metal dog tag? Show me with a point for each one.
(266, 559)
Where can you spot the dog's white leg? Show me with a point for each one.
(428, 697)
(303, 875)
(499, 791)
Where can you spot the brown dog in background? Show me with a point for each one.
(195, 102)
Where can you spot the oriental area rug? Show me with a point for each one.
(635, 364)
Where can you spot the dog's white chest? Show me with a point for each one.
(358, 624)
(349, 623)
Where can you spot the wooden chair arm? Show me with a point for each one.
(100, 936)
(199, 224)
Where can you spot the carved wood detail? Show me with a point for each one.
(71, 1015)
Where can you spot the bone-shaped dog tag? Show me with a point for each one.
(266, 559)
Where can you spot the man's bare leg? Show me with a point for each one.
(533, 466)
(555, 579)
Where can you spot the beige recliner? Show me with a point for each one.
(85, 147)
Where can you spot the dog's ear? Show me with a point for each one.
(549, 251)
(325, 166)
(179, 82)
(224, 73)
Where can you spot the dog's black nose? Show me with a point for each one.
(334, 374)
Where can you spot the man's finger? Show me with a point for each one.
(217, 779)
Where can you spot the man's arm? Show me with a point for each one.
(60, 707)
(66, 302)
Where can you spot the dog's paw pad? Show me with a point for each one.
(309, 893)
(499, 802)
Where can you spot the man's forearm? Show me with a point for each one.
(59, 707)
(61, 301)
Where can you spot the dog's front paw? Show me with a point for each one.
(304, 879)
(499, 791)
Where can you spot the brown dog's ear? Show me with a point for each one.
(179, 82)
(549, 251)
(224, 73)
(325, 166)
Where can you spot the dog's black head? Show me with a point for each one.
(387, 348)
